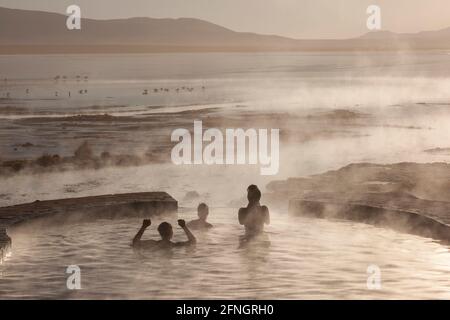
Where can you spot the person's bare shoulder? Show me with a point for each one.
(242, 211)
(182, 244)
(192, 224)
(195, 225)
(146, 244)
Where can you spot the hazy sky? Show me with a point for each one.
(293, 18)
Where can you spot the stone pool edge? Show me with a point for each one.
(395, 219)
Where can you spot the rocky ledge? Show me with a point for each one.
(399, 220)
(408, 197)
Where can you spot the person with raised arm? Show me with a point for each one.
(166, 232)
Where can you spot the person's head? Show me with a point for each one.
(165, 230)
(253, 194)
(202, 211)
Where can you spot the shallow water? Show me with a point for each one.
(306, 259)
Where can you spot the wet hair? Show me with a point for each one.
(165, 229)
(253, 193)
(202, 209)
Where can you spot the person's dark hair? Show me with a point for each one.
(165, 229)
(253, 193)
(202, 207)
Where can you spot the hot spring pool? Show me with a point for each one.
(307, 259)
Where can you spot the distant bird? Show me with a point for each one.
(64, 78)
(145, 92)
(56, 78)
(85, 91)
(27, 91)
(78, 78)
(155, 90)
(69, 93)
(86, 78)
(56, 93)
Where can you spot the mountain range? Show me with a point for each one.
(25, 31)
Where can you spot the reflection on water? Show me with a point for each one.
(306, 259)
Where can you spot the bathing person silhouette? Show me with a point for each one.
(166, 232)
(200, 223)
(254, 216)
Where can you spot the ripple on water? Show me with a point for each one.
(306, 259)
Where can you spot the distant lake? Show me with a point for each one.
(121, 79)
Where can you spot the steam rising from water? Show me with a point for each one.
(297, 265)
(395, 127)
